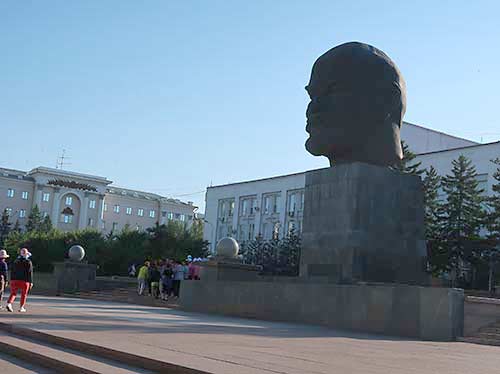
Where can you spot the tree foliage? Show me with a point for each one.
(462, 214)
(5, 226)
(407, 164)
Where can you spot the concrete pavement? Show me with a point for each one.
(11, 365)
(227, 345)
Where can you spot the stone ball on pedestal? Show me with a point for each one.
(76, 253)
(227, 248)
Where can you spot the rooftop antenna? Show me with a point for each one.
(61, 160)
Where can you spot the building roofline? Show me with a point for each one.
(261, 179)
(303, 172)
(458, 148)
(161, 198)
(440, 132)
(43, 169)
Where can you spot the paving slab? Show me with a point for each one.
(221, 344)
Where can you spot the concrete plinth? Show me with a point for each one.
(74, 276)
(363, 223)
(408, 311)
(220, 270)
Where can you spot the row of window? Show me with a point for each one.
(152, 213)
(22, 212)
(11, 193)
(270, 204)
(269, 230)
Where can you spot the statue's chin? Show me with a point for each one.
(313, 148)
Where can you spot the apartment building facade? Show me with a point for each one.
(77, 201)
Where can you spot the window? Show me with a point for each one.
(46, 197)
(152, 213)
(22, 213)
(271, 204)
(251, 231)
(182, 217)
(177, 216)
(116, 209)
(10, 192)
(24, 195)
(8, 211)
(67, 218)
(190, 218)
(92, 204)
(105, 207)
(140, 212)
(91, 222)
(115, 226)
(231, 208)
(44, 214)
(128, 211)
(276, 231)
(248, 206)
(69, 200)
(164, 214)
(170, 215)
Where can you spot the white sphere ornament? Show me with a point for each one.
(228, 248)
(76, 253)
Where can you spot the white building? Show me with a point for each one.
(273, 206)
(77, 201)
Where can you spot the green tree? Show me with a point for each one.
(407, 164)
(493, 216)
(5, 226)
(17, 226)
(34, 220)
(431, 183)
(46, 224)
(462, 215)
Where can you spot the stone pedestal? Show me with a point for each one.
(363, 223)
(227, 270)
(74, 276)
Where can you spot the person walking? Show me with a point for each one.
(21, 278)
(155, 278)
(4, 273)
(142, 278)
(179, 273)
(166, 279)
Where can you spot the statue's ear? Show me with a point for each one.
(396, 110)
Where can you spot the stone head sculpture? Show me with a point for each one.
(358, 99)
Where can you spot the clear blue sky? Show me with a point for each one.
(170, 96)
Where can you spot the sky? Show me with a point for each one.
(170, 97)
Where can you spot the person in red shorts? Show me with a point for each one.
(21, 278)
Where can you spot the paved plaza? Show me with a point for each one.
(220, 344)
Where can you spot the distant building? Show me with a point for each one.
(271, 207)
(77, 201)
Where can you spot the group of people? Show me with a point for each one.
(162, 278)
(21, 278)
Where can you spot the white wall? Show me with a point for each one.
(423, 140)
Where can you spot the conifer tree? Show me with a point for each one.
(493, 217)
(462, 215)
(407, 164)
(431, 183)
(5, 226)
(17, 226)
(46, 224)
(34, 220)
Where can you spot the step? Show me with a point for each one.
(487, 335)
(12, 365)
(490, 330)
(477, 340)
(104, 354)
(61, 359)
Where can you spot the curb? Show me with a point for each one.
(94, 350)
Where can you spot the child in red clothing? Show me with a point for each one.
(21, 278)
